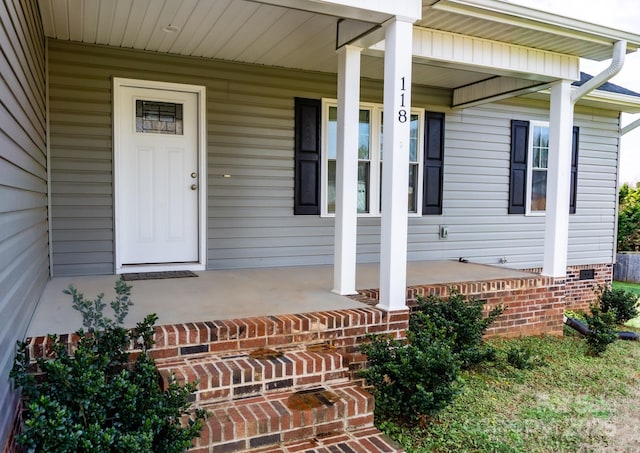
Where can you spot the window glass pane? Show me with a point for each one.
(539, 190)
(332, 132)
(413, 187)
(540, 147)
(331, 186)
(544, 137)
(413, 162)
(536, 157)
(158, 117)
(544, 157)
(363, 187)
(413, 139)
(536, 136)
(364, 135)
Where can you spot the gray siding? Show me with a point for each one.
(24, 263)
(250, 136)
(476, 189)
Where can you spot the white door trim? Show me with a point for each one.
(200, 92)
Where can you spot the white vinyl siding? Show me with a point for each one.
(250, 122)
(24, 257)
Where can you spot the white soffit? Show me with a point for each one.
(506, 22)
(365, 10)
(234, 30)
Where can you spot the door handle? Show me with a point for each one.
(194, 186)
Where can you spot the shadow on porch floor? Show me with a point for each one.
(240, 293)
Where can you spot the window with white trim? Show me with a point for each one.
(370, 153)
(538, 158)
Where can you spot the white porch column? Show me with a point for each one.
(344, 267)
(395, 167)
(556, 233)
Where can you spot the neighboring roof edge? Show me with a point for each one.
(607, 86)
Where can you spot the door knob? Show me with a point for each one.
(194, 186)
(194, 175)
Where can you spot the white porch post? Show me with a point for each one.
(344, 268)
(395, 167)
(556, 233)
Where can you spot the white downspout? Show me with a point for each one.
(617, 62)
(563, 100)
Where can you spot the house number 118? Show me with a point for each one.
(402, 113)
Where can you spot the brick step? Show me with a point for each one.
(341, 328)
(254, 373)
(285, 417)
(363, 440)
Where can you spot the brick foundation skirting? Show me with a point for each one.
(579, 294)
(11, 445)
(534, 304)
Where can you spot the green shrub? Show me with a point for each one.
(601, 324)
(415, 378)
(522, 357)
(462, 319)
(97, 399)
(629, 218)
(619, 301)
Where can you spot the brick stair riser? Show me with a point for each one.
(364, 440)
(343, 329)
(221, 379)
(261, 421)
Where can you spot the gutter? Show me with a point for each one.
(617, 62)
(629, 127)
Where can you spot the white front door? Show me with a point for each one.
(158, 176)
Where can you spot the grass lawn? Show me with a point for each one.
(570, 403)
(633, 287)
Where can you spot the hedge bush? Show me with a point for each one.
(99, 399)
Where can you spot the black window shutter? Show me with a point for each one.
(433, 163)
(518, 168)
(307, 157)
(574, 169)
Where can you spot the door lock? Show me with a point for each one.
(194, 175)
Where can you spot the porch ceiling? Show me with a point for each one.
(269, 35)
(257, 32)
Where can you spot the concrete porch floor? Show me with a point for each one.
(239, 293)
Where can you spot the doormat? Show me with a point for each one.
(157, 275)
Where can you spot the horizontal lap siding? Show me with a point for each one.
(476, 188)
(24, 262)
(250, 217)
(249, 136)
(592, 234)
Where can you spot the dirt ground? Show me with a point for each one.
(622, 431)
